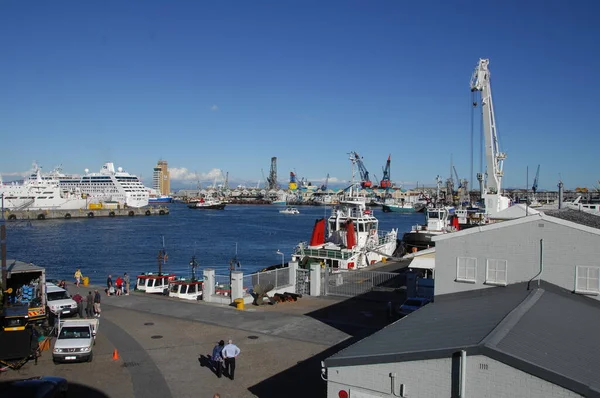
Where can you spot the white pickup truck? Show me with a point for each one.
(76, 338)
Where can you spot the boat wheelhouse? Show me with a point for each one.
(186, 289)
(154, 283)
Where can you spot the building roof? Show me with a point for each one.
(515, 211)
(547, 332)
(576, 216)
(588, 226)
(17, 267)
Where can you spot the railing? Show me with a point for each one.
(222, 286)
(278, 278)
(336, 254)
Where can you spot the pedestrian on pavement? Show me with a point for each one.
(217, 358)
(119, 283)
(126, 281)
(90, 305)
(78, 275)
(230, 352)
(97, 308)
(109, 284)
(79, 300)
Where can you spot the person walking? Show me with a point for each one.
(79, 300)
(90, 305)
(109, 284)
(229, 353)
(217, 358)
(97, 308)
(119, 283)
(78, 275)
(126, 281)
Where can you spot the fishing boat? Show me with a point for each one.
(160, 199)
(187, 289)
(395, 207)
(159, 282)
(207, 204)
(290, 210)
(440, 220)
(352, 239)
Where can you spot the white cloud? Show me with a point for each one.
(214, 108)
(183, 174)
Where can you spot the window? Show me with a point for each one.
(496, 272)
(587, 280)
(466, 269)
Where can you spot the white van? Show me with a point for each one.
(59, 301)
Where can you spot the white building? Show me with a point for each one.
(564, 252)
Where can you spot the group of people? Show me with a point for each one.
(120, 287)
(223, 358)
(92, 307)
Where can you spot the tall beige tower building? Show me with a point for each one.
(161, 180)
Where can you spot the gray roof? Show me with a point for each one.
(576, 216)
(550, 333)
(16, 267)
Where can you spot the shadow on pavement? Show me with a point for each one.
(78, 390)
(358, 317)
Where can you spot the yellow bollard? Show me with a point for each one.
(86, 280)
(239, 303)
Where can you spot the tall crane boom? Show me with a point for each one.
(480, 81)
(365, 182)
(385, 181)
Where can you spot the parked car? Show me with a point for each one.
(76, 338)
(412, 304)
(59, 301)
(35, 387)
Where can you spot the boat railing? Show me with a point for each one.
(334, 254)
(222, 285)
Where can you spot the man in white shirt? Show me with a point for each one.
(229, 353)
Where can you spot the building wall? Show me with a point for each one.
(162, 178)
(485, 377)
(564, 248)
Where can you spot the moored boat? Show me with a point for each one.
(207, 204)
(290, 210)
(186, 289)
(352, 239)
(402, 207)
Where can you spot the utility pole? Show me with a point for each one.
(3, 244)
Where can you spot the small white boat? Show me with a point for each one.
(154, 283)
(289, 210)
(186, 289)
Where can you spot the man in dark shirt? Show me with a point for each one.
(90, 305)
(109, 284)
(79, 300)
(97, 308)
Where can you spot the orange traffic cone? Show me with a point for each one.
(115, 355)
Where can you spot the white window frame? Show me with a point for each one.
(592, 283)
(467, 266)
(494, 271)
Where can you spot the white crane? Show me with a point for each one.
(492, 194)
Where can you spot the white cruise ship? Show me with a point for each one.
(107, 185)
(37, 193)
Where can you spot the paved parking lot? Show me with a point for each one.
(161, 343)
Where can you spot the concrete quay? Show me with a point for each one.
(14, 215)
(163, 343)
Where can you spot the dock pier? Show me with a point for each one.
(50, 214)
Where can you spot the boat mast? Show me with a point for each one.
(162, 257)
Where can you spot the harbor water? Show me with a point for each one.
(103, 246)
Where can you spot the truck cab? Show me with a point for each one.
(76, 338)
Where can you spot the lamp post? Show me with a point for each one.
(193, 264)
(282, 257)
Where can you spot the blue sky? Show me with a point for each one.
(227, 85)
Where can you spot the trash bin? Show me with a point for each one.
(86, 280)
(239, 303)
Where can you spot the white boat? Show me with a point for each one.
(289, 210)
(37, 193)
(108, 184)
(438, 223)
(593, 208)
(353, 239)
(186, 289)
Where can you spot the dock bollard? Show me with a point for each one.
(239, 303)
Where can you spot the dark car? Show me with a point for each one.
(412, 304)
(35, 387)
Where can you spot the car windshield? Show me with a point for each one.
(413, 303)
(62, 295)
(78, 332)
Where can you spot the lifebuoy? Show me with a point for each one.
(148, 212)
(12, 217)
(41, 217)
(111, 214)
(161, 213)
(90, 215)
(131, 213)
(67, 216)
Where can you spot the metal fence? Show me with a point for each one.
(355, 283)
(278, 278)
(302, 281)
(222, 286)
